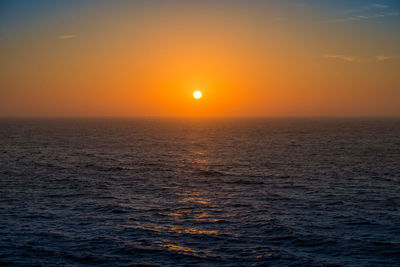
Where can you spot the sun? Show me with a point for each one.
(197, 94)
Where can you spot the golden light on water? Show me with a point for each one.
(197, 94)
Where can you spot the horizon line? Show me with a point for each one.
(210, 117)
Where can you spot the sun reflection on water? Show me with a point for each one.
(180, 249)
(177, 230)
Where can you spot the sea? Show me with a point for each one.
(200, 192)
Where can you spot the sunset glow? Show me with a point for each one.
(256, 58)
(200, 132)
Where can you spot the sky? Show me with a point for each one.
(249, 58)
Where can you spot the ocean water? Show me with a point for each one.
(199, 192)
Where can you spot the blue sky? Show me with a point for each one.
(20, 12)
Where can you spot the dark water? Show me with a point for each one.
(263, 192)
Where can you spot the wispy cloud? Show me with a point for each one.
(66, 36)
(382, 57)
(357, 59)
(366, 8)
(341, 57)
(372, 11)
(370, 16)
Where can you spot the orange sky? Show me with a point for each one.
(146, 59)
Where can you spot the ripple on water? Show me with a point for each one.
(218, 192)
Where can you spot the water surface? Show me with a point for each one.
(200, 192)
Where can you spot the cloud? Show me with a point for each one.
(357, 59)
(370, 16)
(66, 36)
(366, 8)
(378, 6)
(372, 11)
(382, 57)
(341, 57)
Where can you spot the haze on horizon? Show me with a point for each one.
(249, 58)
